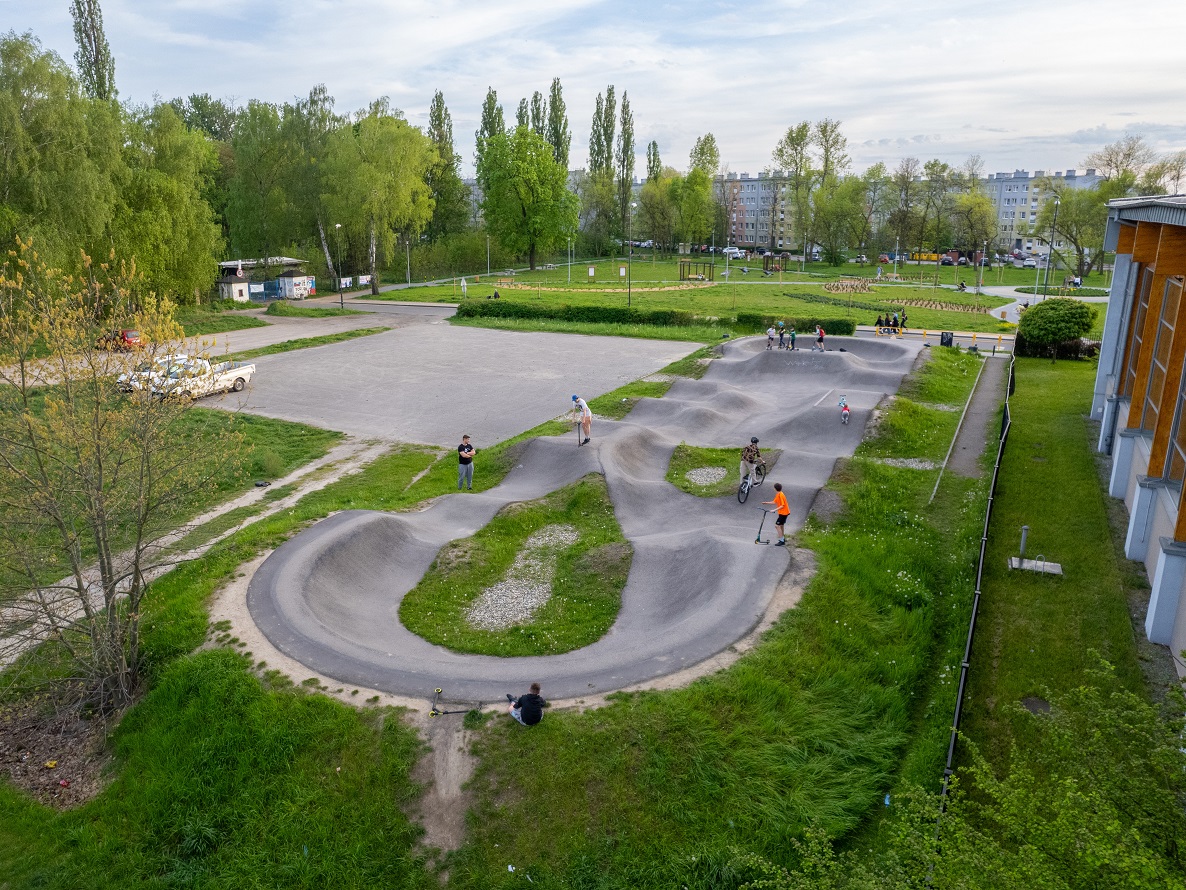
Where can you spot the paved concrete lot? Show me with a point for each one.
(429, 382)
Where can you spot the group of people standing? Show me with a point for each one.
(786, 337)
(892, 321)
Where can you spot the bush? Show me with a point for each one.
(1053, 326)
(754, 323)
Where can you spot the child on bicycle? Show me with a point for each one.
(750, 457)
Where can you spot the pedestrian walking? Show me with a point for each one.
(463, 288)
(465, 464)
(770, 337)
(819, 337)
(580, 406)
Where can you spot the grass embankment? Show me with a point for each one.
(267, 449)
(224, 781)
(584, 575)
(288, 309)
(658, 789)
(1036, 633)
(305, 343)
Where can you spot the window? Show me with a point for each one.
(1177, 452)
(1161, 355)
(1134, 333)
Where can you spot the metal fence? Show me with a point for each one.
(1006, 422)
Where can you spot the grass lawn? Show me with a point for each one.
(201, 321)
(1036, 633)
(224, 778)
(687, 457)
(583, 575)
(296, 310)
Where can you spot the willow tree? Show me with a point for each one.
(92, 482)
(377, 172)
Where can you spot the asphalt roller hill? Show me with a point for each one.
(330, 597)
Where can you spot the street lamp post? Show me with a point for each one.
(487, 254)
(897, 250)
(1050, 253)
(408, 247)
(983, 257)
(338, 232)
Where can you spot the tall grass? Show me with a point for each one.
(655, 789)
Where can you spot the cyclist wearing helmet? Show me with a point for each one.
(750, 457)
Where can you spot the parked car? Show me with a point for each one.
(734, 253)
(123, 340)
(145, 374)
(1029, 263)
(859, 258)
(946, 261)
(198, 377)
(963, 261)
(883, 258)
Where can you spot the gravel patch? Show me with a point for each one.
(909, 463)
(706, 475)
(528, 584)
(659, 378)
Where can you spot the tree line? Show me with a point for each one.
(179, 184)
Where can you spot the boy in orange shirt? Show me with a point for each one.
(784, 510)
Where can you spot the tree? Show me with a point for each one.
(838, 212)
(260, 211)
(904, 219)
(1055, 321)
(539, 114)
(305, 128)
(559, 135)
(878, 198)
(377, 176)
(694, 204)
(1130, 154)
(492, 125)
(974, 220)
(656, 209)
(933, 224)
(91, 481)
(792, 157)
(61, 155)
(523, 115)
(202, 112)
(833, 148)
(161, 216)
(450, 213)
(654, 163)
(96, 67)
(705, 156)
(527, 204)
(625, 165)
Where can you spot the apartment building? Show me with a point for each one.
(754, 210)
(1018, 198)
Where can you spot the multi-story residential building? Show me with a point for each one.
(755, 215)
(1018, 198)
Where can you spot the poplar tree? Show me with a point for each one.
(96, 67)
(523, 116)
(558, 134)
(539, 114)
(705, 156)
(654, 164)
(492, 125)
(451, 211)
(625, 162)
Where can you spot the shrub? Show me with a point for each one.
(1053, 326)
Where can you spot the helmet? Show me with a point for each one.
(753, 440)
(574, 398)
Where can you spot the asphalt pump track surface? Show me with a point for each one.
(330, 597)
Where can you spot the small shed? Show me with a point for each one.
(234, 287)
(296, 285)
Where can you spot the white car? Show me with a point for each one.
(734, 253)
(198, 377)
(146, 374)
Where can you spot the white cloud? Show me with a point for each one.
(1021, 85)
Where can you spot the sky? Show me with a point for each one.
(1033, 86)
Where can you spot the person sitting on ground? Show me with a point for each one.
(528, 709)
(962, 287)
(750, 458)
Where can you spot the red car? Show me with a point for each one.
(123, 340)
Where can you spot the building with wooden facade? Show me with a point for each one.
(1140, 399)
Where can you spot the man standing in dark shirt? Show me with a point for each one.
(465, 464)
(528, 709)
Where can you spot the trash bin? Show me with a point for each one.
(947, 338)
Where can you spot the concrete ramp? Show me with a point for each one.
(330, 596)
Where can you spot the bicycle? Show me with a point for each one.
(747, 483)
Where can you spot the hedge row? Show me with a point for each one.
(595, 314)
(749, 322)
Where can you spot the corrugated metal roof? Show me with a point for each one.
(1167, 209)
